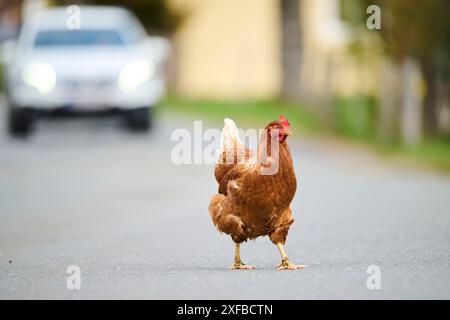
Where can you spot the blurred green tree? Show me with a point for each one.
(156, 15)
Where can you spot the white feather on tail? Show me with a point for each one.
(233, 150)
(230, 135)
(231, 145)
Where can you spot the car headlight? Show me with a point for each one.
(39, 75)
(134, 74)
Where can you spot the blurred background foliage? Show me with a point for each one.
(419, 30)
(314, 60)
(356, 116)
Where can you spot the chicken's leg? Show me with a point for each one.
(238, 264)
(285, 263)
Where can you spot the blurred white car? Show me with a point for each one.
(108, 63)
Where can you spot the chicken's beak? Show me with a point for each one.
(287, 132)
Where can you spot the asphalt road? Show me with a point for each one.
(86, 192)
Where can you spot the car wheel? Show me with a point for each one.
(139, 119)
(20, 122)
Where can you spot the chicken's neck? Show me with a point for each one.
(274, 154)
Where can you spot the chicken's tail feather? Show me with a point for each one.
(230, 136)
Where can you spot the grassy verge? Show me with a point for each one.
(434, 153)
(246, 113)
(354, 121)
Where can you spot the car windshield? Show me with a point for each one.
(50, 38)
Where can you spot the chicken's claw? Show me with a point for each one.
(241, 266)
(287, 265)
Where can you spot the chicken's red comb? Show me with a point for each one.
(284, 121)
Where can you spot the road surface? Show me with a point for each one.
(86, 192)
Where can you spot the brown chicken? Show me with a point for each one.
(255, 189)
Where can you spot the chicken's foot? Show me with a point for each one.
(285, 263)
(238, 264)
